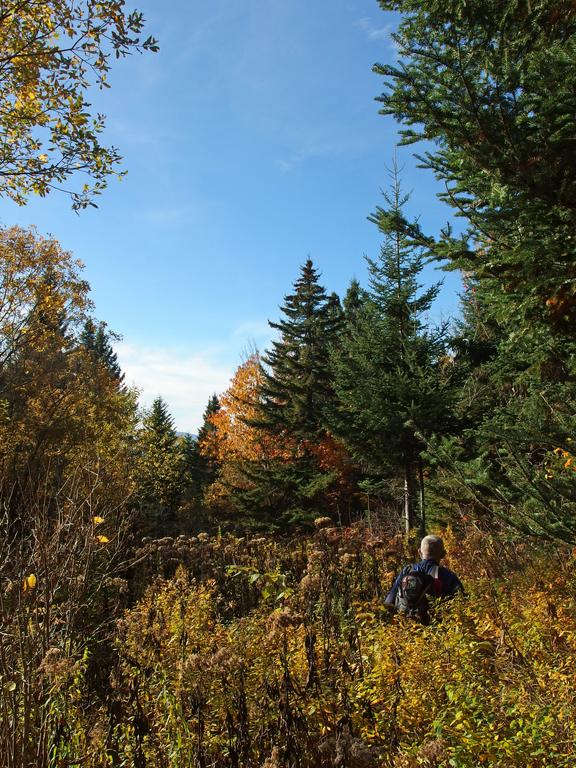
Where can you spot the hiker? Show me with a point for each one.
(416, 584)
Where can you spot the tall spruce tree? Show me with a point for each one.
(387, 374)
(191, 507)
(202, 468)
(353, 303)
(295, 396)
(297, 385)
(159, 472)
(97, 341)
(512, 457)
(491, 86)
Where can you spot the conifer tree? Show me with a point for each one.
(203, 466)
(353, 302)
(188, 449)
(516, 420)
(387, 372)
(297, 386)
(159, 470)
(296, 393)
(191, 501)
(96, 340)
(491, 87)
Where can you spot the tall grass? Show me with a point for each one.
(262, 652)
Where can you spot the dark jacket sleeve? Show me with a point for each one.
(391, 596)
(451, 584)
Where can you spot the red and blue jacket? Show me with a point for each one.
(449, 583)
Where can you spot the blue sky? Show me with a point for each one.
(252, 141)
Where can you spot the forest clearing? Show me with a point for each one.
(263, 651)
(220, 598)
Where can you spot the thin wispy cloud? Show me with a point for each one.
(299, 157)
(167, 213)
(290, 163)
(129, 132)
(184, 380)
(372, 31)
(175, 214)
(253, 330)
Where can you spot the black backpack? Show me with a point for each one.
(414, 590)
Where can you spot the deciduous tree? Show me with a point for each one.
(51, 54)
(234, 439)
(59, 411)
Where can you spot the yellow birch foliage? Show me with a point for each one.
(60, 406)
(40, 285)
(320, 669)
(51, 54)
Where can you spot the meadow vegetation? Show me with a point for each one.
(271, 652)
(218, 599)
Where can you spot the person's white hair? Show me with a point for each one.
(432, 548)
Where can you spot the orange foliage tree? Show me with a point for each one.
(234, 439)
(332, 457)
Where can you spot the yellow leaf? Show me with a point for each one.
(97, 520)
(29, 582)
(103, 539)
(43, 158)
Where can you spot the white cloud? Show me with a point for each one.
(192, 213)
(253, 331)
(131, 131)
(313, 150)
(167, 215)
(291, 162)
(372, 31)
(184, 380)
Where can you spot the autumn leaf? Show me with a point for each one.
(234, 439)
(43, 100)
(29, 582)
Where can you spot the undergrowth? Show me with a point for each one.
(272, 653)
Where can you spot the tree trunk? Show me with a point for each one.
(421, 497)
(408, 496)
